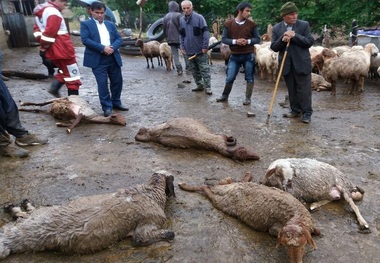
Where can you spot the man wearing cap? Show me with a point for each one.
(297, 66)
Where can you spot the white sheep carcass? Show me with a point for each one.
(318, 83)
(150, 50)
(314, 182)
(267, 61)
(211, 41)
(166, 54)
(92, 223)
(264, 209)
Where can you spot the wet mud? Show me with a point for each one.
(98, 158)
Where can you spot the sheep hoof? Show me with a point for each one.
(364, 229)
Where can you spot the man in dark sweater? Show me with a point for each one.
(240, 33)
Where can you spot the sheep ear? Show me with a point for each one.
(268, 174)
(169, 186)
(309, 239)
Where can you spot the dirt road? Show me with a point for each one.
(97, 159)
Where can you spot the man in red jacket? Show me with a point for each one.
(51, 31)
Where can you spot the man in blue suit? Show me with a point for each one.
(297, 66)
(102, 42)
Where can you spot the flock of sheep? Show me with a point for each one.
(353, 64)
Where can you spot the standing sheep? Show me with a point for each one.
(211, 41)
(166, 54)
(264, 209)
(92, 223)
(312, 181)
(150, 50)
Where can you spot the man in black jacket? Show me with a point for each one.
(297, 66)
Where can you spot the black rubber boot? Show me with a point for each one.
(72, 92)
(54, 88)
(226, 92)
(248, 93)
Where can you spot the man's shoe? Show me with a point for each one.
(107, 113)
(4, 78)
(208, 91)
(30, 140)
(179, 73)
(247, 102)
(291, 115)
(121, 108)
(222, 99)
(12, 150)
(306, 118)
(199, 88)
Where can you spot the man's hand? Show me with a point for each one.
(108, 50)
(241, 42)
(288, 35)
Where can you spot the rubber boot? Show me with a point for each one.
(54, 88)
(72, 92)
(226, 92)
(248, 93)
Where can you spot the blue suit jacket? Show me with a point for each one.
(91, 39)
(298, 51)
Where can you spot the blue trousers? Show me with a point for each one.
(108, 68)
(234, 63)
(9, 116)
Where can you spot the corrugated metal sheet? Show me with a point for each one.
(15, 23)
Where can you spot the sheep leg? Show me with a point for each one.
(363, 224)
(147, 62)
(38, 104)
(151, 61)
(145, 235)
(318, 204)
(75, 123)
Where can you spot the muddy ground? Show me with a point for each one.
(97, 159)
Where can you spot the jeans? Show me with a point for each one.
(234, 64)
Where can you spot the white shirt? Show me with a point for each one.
(104, 34)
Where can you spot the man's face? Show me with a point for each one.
(187, 9)
(246, 13)
(290, 18)
(61, 4)
(98, 14)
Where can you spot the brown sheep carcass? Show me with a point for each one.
(264, 209)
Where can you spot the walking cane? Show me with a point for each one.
(277, 81)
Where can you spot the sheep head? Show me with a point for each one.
(118, 119)
(295, 237)
(142, 135)
(242, 154)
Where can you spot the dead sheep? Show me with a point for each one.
(150, 50)
(264, 209)
(166, 54)
(93, 223)
(225, 52)
(187, 133)
(314, 182)
(75, 110)
(318, 83)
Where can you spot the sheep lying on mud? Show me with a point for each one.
(92, 223)
(264, 209)
(312, 181)
(318, 83)
(74, 109)
(189, 133)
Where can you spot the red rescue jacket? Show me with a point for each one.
(51, 31)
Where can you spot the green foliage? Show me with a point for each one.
(333, 13)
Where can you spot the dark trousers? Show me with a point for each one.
(9, 116)
(108, 68)
(299, 89)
